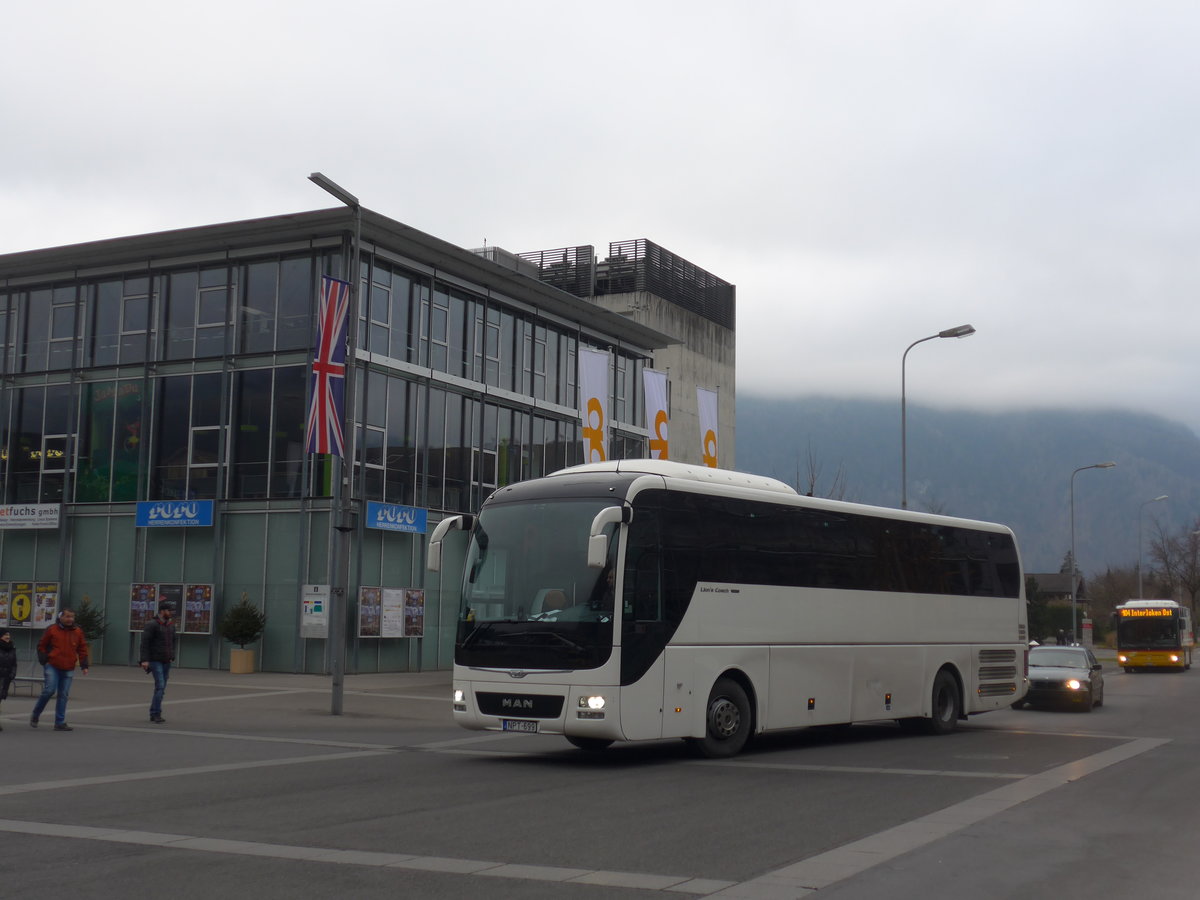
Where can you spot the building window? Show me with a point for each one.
(110, 439)
(258, 309)
(250, 457)
(135, 319)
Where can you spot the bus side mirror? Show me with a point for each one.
(597, 551)
(433, 559)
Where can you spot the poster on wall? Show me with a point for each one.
(142, 602)
(173, 594)
(393, 612)
(314, 611)
(20, 604)
(4, 604)
(414, 613)
(369, 611)
(198, 609)
(45, 603)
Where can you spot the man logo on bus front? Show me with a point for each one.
(516, 703)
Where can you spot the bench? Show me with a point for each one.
(29, 673)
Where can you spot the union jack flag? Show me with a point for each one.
(326, 410)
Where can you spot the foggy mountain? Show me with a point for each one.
(1010, 467)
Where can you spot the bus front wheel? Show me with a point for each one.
(726, 721)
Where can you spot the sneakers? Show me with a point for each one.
(158, 720)
(33, 721)
(63, 727)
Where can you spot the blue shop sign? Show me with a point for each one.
(392, 517)
(174, 513)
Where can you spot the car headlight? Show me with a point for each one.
(1074, 684)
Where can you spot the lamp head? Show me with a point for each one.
(960, 332)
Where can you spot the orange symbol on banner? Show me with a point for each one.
(593, 432)
(20, 608)
(710, 449)
(658, 443)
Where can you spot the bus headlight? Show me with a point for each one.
(1121, 658)
(1073, 684)
(590, 707)
(460, 700)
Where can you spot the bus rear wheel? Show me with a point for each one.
(726, 721)
(946, 706)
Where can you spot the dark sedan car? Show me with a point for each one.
(1064, 676)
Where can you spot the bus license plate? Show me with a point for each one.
(525, 725)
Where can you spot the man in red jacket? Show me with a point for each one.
(62, 644)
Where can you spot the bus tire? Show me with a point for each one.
(945, 706)
(727, 721)
(589, 745)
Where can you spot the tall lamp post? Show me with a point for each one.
(1141, 509)
(960, 332)
(340, 519)
(1103, 465)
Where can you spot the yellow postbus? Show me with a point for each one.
(1154, 634)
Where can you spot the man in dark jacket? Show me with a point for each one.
(8, 662)
(61, 646)
(157, 654)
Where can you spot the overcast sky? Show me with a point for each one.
(866, 173)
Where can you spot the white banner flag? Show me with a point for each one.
(657, 415)
(706, 402)
(593, 403)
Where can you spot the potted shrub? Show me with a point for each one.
(242, 624)
(89, 618)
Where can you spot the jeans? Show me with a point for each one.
(56, 681)
(161, 671)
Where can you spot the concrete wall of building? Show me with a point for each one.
(705, 357)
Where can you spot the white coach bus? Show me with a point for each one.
(643, 599)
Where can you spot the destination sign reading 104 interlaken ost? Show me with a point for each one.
(1146, 613)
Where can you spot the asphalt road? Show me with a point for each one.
(252, 786)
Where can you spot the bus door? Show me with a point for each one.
(644, 633)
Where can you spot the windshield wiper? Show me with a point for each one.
(485, 626)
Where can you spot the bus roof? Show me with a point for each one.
(1148, 604)
(727, 478)
(668, 469)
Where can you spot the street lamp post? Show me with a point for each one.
(340, 519)
(1103, 465)
(1141, 509)
(960, 332)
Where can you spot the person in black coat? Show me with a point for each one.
(157, 654)
(8, 663)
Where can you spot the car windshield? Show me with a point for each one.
(1052, 656)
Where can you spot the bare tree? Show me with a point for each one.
(1178, 556)
(813, 469)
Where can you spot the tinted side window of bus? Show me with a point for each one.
(722, 539)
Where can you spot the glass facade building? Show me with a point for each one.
(175, 367)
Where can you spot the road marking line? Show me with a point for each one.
(816, 872)
(119, 778)
(673, 883)
(858, 770)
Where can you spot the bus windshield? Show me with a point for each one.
(1148, 634)
(529, 599)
